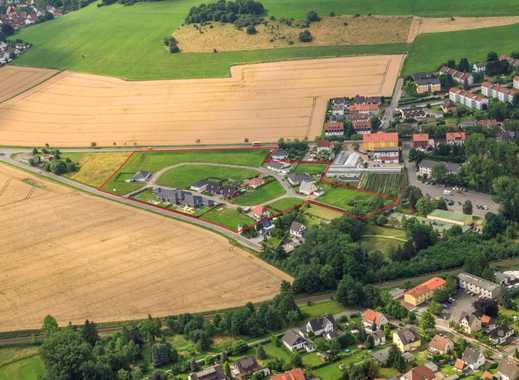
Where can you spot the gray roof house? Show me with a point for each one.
(473, 358)
(307, 188)
(182, 198)
(141, 176)
(500, 334)
(297, 230)
(508, 370)
(214, 372)
(426, 167)
(322, 326)
(294, 340)
(244, 367)
(382, 356)
(478, 286)
(295, 179)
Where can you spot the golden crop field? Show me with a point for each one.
(15, 80)
(77, 257)
(258, 103)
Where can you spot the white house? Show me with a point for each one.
(468, 99)
(294, 340)
(473, 358)
(322, 326)
(297, 230)
(507, 370)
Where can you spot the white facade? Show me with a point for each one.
(468, 99)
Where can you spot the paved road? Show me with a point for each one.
(388, 114)
(5, 157)
(437, 191)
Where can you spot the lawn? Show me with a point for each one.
(333, 372)
(321, 308)
(262, 194)
(154, 161)
(431, 50)
(383, 239)
(227, 217)
(95, 167)
(311, 360)
(312, 169)
(185, 176)
(30, 368)
(11, 354)
(350, 200)
(322, 212)
(274, 351)
(284, 204)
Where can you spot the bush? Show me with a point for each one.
(312, 16)
(251, 29)
(305, 36)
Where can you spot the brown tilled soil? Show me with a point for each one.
(339, 30)
(79, 257)
(15, 80)
(261, 103)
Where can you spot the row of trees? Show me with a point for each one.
(226, 11)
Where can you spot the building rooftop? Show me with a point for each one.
(480, 282)
(426, 287)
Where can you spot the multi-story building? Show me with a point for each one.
(497, 91)
(478, 286)
(423, 292)
(374, 141)
(468, 99)
(459, 76)
(426, 83)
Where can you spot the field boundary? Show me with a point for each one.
(103, 184)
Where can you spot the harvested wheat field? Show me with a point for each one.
(15, 80)
(339, 30)
(75, 256)
(422, 25)
(259, 103)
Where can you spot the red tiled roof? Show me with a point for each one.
(333, 126)
(454, 136)
(420, 137)
(426, 287)
(439, 343)
(325, 144)
(294, 374)
(364, 107)
(460, 364)
(485, 319)
(372, 316)
(420, 373)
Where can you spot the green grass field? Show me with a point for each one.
(154, 161)
(321, 308)
(431, 50)
(312, 169)
(262, 194)
(227, 217)
(350, 200)
(184, 176)
(284, 204)
(30, 368)
(322, 212)
(382, 239)
(127, 41)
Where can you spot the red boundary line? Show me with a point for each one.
(103, 184)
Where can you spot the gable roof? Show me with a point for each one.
(420, 137)
(320, 322)
(471, 355)
(509, 369)
(455, 136)
(440, 343)
(426, 287)
(419, 373)
(459, 364)
(214, 372)
(292, 338)
(372, 316)
(247, 364)
(408, 335)
(294, 374)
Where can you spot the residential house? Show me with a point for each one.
(489, 123)
(478, 286)
(265, 226)
(420, 140)
(468, 99)
(258, 212)
(440, 345)
(297, 230)
(293, 374)
(418, 373)
(406, 339)
(423, 292)
(425, 167)
(333, 128)
(366, 108)
(473, 358)
(459, 76)
(220, 188)
(487, 322)
(386, 155)
(413, 113)
(322, 326)
(373, 320)
(279, 155)
(307, 187)
(182, 198)
(455, 138)
(295, 179)
(499, 92)
(255, 182)
(448, 106)
(469, 323)
(141, 176)
(479, 68)
(199, 186)
(279, 167)
(507, 370)
(382, 356)
(379, 337)
(324, 146)
(361, 123)
(242, 368)
(500, 334)
(368, 100)
(426, 83)
(214, 372)
(294, 340)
